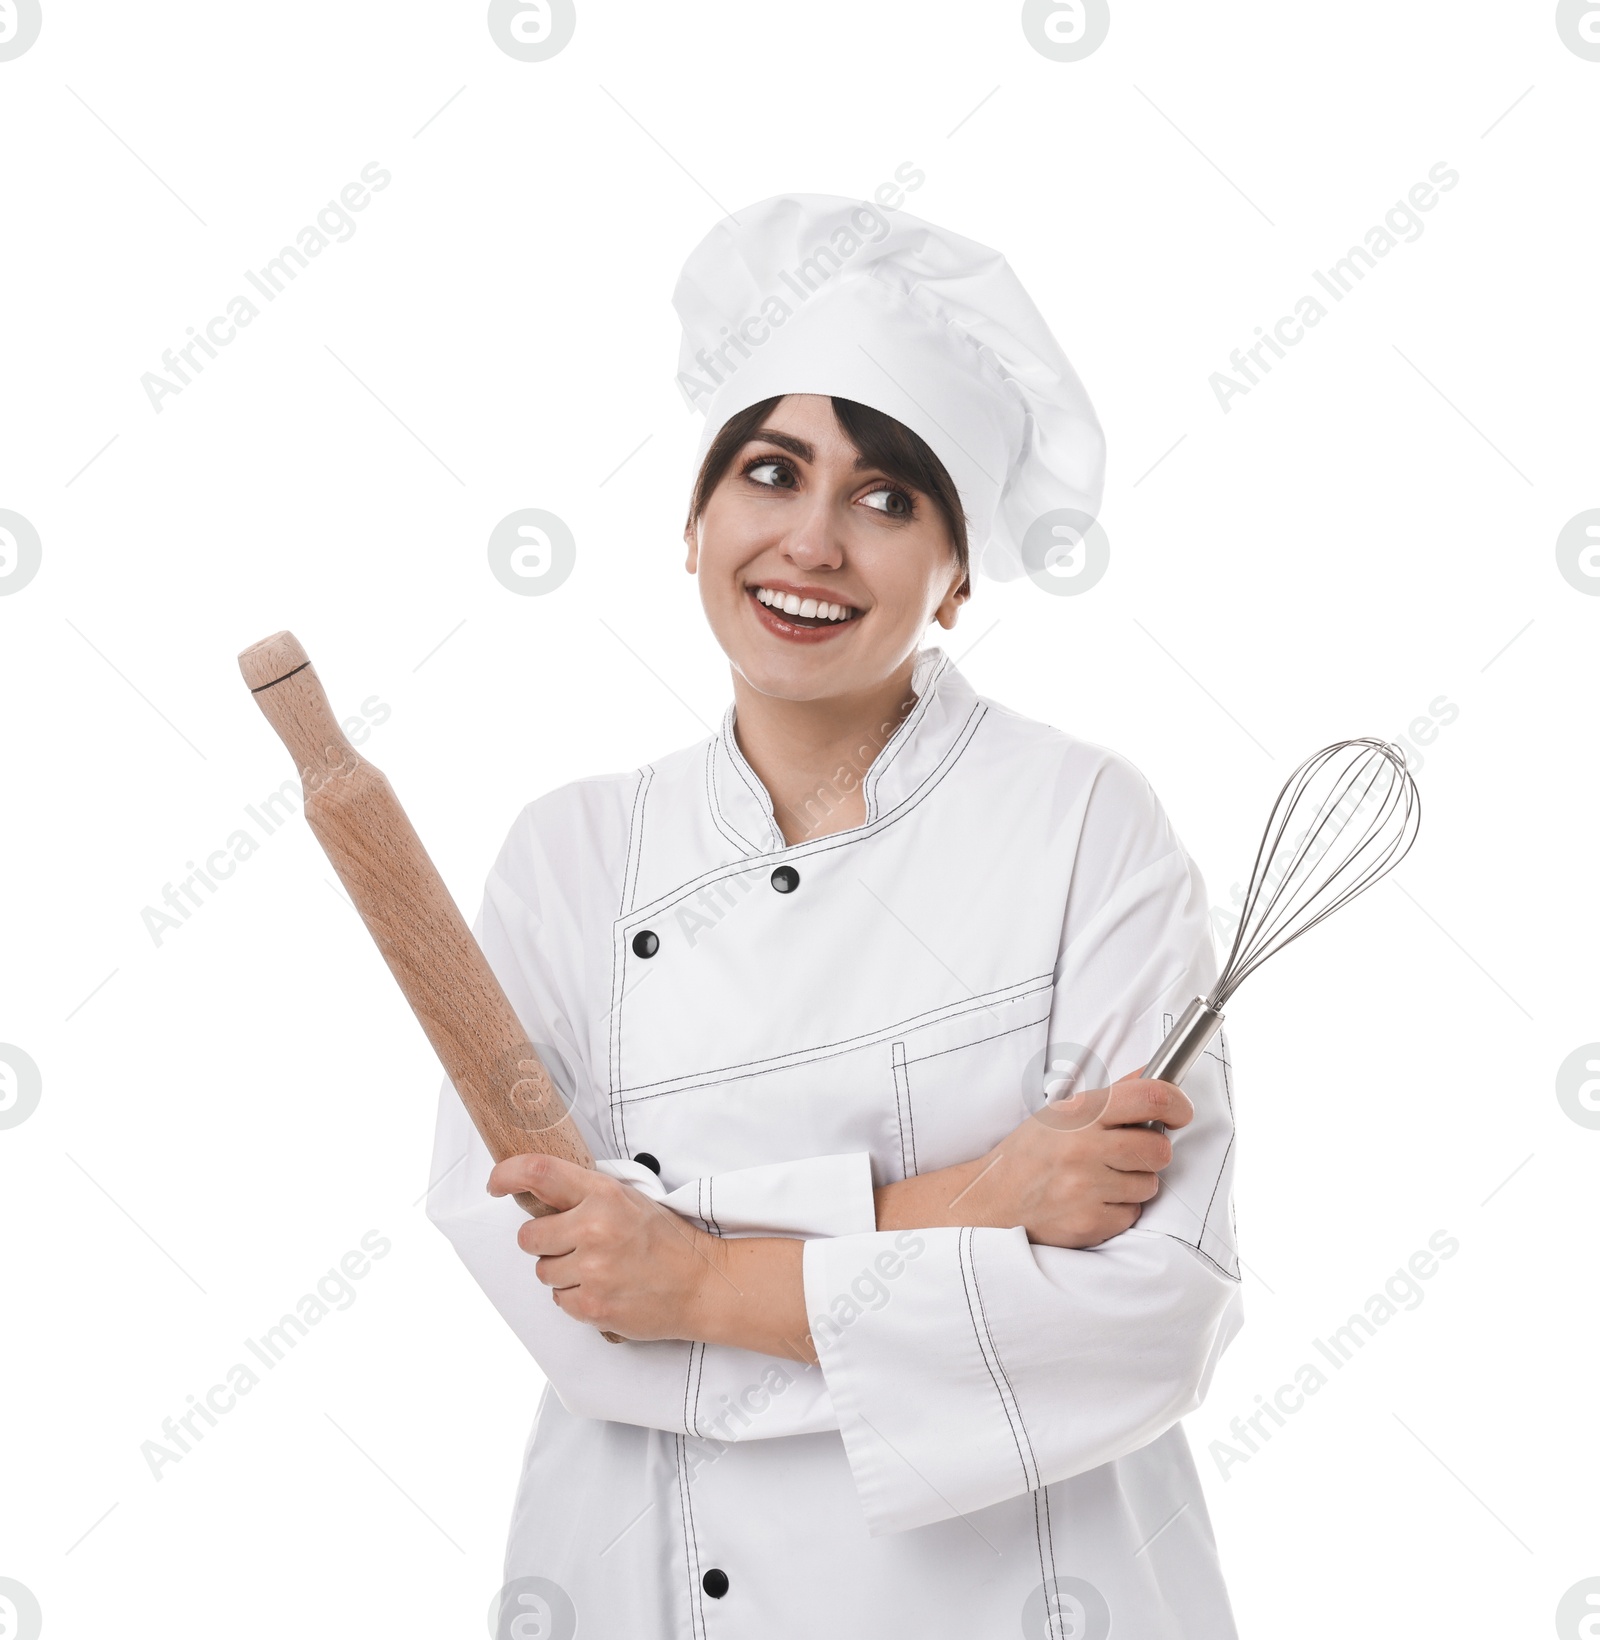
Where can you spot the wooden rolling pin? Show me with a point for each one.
(357, 818)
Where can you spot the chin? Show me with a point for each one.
(802, 678)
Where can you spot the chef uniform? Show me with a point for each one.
(757, 1033)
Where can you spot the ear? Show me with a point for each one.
(691, 539)
(960, 591)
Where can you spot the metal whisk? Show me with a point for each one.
(1358, 810)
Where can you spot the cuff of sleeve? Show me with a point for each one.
(655, 1383)
(967, 1366)
(815, 1196)
(913, 1434)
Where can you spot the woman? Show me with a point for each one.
(905, 1340)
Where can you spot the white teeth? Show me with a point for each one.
(791, 604)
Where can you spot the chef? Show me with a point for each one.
(849, 1000)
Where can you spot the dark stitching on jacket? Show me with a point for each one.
(737, 760)
(630, 869)
(614, 1045)
(802, 1056)
(718, 818)
(697, 1351)
(619, 1102)
(1039, 1486)
(978, 1041)
(901, 738)
(964, 1240)
(630, 876)
(694, 1534)
(1194, 1246)
(834, 840)
(705, 1204)
(728, 830)
(1049, 1528)
(697, 1615)
(1199, 1253)
(619, 1119)
(911, 1117)
(978, 1292)
(1227, 1088)
(902, 1108)
(896, 1059)
(1044, 1575)
(699, 1381)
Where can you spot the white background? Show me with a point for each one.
(1364, 532)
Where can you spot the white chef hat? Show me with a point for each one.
(815, 293)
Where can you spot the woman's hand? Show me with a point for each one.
(613, 1257)
(1079, 1171)
(1074, 1174)
(631, 1267)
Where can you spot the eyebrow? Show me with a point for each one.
(799, 447)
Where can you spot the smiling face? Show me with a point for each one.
(818, 572)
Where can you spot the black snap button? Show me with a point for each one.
(715, 1583)
(785, 879)
(645, 943)
(645, 1159)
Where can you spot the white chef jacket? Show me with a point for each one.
(989, 1445)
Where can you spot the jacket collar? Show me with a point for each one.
(928, 735)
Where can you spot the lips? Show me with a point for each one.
(797, 628)
(805, 601)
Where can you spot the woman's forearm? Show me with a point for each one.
(959, 1195)
(752, 1293)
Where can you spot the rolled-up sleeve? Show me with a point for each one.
(661, 1384)
(967, 1366)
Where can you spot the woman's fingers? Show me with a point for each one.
(557, 1272)
(558, 1183)
(549, 1237)
(1136, 1149)
(1139, 1099)
(1123, 1188)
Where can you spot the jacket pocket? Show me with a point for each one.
(961, 1082)
(904, 1115)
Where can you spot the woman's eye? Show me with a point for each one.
(762, 471)
(894, 502)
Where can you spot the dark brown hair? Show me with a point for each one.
(888, 444)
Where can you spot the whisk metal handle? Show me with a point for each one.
(1183, 1044)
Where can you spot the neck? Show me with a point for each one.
(812, 755)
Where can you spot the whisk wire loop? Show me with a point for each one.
(1364, 814)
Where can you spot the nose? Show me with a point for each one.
(813, 540)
